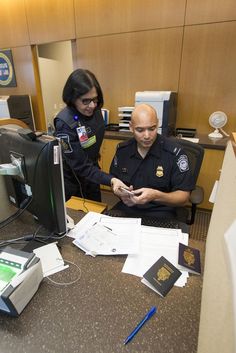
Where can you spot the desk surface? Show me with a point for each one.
(97, 313)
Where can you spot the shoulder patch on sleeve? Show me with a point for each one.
(65, 143)
(182, 163)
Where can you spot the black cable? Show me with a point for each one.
(40, 238)
(11, 218)
(80, 189)
(16, 240)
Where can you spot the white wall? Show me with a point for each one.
(55, 65)
(216, 330)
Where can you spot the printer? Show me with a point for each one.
(165, 103)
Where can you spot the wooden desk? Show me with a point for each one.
(101, 309)
(79, 204)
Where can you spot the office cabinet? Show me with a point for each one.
(210, 172)
(107, 152)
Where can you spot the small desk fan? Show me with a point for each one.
(217, 120)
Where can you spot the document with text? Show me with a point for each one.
(98, 234)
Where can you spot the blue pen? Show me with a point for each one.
(142, 322)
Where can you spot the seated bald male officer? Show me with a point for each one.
(155, 167)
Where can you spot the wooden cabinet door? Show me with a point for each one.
(107, 151)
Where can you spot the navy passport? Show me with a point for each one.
(162, 275)
(189, 259)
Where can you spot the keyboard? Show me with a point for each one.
(162, 223)
(155, 222)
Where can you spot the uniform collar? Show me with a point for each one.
(133, 152)
(154, 150)
(157, 146)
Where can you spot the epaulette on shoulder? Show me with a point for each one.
(67, 117)
(172, 146)
(123, 144)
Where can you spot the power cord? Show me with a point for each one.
(17, 214)
(40, 238)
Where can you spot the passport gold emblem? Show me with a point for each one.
(159, 171)
(189, 257)
(163, 274)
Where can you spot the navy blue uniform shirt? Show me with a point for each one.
(165, 168)
(81, 139)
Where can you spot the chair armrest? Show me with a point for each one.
(197, 195)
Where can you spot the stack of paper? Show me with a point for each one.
(98, 234)
(124, 117)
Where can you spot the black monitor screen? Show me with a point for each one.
(39, 178)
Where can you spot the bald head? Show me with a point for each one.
(144, 114)
(144, 125)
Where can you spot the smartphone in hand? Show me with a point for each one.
(127, 191)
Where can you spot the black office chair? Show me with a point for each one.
(195, 154)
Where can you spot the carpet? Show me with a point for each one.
(199, 230)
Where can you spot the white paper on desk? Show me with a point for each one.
(156, 242)
(108, 235)
(51, 259)
(86, 222)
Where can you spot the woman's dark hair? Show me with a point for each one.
(79, 83)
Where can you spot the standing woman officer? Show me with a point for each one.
(81, 129)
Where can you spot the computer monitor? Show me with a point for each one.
(38, 182)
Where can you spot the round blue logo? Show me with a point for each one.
(6, 70)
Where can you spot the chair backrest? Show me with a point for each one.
(11, 122)
(195, 153)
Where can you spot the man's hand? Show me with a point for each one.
(117, 186)
(144, 195)
(124, 192)
(127, 197)
(174, 198)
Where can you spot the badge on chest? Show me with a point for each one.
(159, 171)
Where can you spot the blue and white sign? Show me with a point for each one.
(7, 74)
